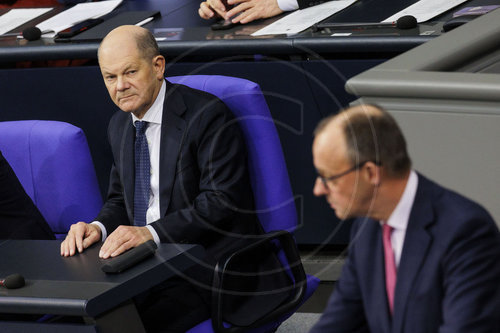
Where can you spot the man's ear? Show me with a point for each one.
(159, 66)
(374, 173)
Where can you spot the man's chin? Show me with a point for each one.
(338, 212)
(127, 108)
(127, 105)
(342, 214)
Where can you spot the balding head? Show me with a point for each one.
(138, 37)
(370, 134)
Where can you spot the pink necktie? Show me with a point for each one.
(390, 265)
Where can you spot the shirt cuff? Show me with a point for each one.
(288, 5)
(153, 232)
(101, 226)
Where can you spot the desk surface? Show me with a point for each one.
(195, 37)
(76, 285)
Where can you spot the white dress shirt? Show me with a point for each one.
(400, 216)
(288, 5)
(153, 134)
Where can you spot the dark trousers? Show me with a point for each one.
(174, 306)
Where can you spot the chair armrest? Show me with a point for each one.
(298, 290)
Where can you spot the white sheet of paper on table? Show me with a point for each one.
(424, 10)
(76, 14)
(302, 19)
(19, 16)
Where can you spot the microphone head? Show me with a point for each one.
(406, 22)
(14, 281)
(32, 33)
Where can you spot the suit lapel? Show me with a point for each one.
(416, 244)
(172, 130)
(127, 164)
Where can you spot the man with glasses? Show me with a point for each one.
(421, 258)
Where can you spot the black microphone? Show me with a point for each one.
(404, 22)
(32, 33)
(13, 281)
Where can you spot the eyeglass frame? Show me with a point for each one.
(325, 180)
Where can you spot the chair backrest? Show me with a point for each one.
(53, 163)
(268, 173)
(273, 196)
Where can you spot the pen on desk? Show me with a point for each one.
(359, 25)
(140, 24)
(404, 22)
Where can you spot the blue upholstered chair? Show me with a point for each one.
(272, 191)
(53, 163)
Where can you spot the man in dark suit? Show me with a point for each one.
(421, 258)
(197, 188)
(19, 217)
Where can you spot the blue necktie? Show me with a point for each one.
(142, 174)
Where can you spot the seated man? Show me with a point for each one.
(188, 181)
(245, 11)
(421, 258)
(19, 218)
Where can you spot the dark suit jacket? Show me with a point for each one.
(205, 193)
(19, 218)
(448, 279)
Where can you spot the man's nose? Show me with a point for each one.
(319, 188)
(121, 83)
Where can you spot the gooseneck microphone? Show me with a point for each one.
(404, 22)
(13, 281)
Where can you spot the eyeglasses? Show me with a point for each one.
(325, 180)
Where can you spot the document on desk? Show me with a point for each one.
(303, 18)
(424, 10)
(17, 17)
(76, 14)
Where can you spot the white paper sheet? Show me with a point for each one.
(304, 18)
(424, 10)
(17, 17)
(76, 14)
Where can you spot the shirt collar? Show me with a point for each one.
(155, 112)
(401, 214)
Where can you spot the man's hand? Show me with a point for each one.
(212, 8)
(80, 236)
(122, 239)
(250, 10)
(244, 10)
